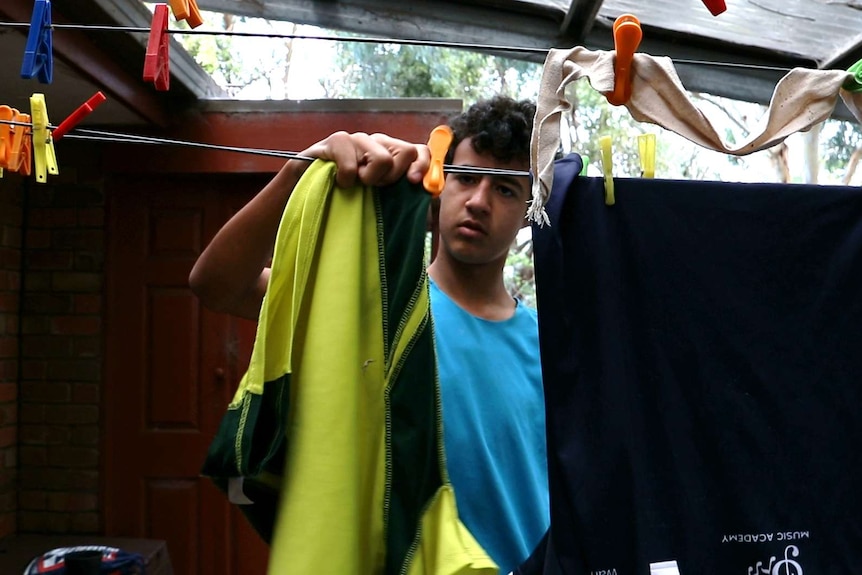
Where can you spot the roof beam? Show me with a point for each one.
(536, 30)
(92, 63)
(580, 18)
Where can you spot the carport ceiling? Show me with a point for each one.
(768, 33)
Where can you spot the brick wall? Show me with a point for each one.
(61, 355)
(10, 280)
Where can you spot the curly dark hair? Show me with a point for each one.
(500, 126)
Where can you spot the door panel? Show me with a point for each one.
(171, 369)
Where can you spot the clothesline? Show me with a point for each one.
(123, 138)
(369, 40)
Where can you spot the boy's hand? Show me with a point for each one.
(375, 159)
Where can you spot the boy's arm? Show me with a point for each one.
(231, 275)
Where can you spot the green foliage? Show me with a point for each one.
(838, 147)
(407, 71)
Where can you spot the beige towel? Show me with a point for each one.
(801, 99)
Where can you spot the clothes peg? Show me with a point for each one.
(187, 10)
(585, 163)
(157, 60)
(438, 142)
(608, 168)
(715, 7)
(12, 140)
(853, 83)
(5, 134)
(627, 38)
(39, 50)
(79, 114)
(43, 144)
(646, 149)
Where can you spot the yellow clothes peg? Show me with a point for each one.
(646, 148)
(43, 143)
(607, 168)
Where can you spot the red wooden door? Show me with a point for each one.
(171, 369)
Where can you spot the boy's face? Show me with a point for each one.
(480, 215)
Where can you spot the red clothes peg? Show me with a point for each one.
(715, 7)
(627, 38)
(75, 117)
(157, 60)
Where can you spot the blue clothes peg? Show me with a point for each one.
(39, 51)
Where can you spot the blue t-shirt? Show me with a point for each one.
(494, 426)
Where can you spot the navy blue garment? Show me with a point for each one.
(702, 361)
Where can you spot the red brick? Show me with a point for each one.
(35, 324)
(82, 480)
(10, 457)
(10, 258)
(71, 414)
(34, 369)
(76, 325)
(89, 261)
(52, 218)
(91, 217)
(87, 347)
(11, 236)
(39, 281)
(46, 346)
(38, 239)
(48, 303)
(46, 392)
(31, 413)
(8, 347)
(85, 523)
(8, 524)
(8, 501)
(8, 391)
(33, 434)
(9, 302)
(8, 415)
(33, 522)
(33, 456)
(8, 436)
(85, 393)
(87, 435)
(92, 240)
(87, 303)
(49, 260)
(8, 370)
(13, 280)
(72, 502)
(33, 500)
(75, 369)
(76, 282)
(65, 456)
(11, 324)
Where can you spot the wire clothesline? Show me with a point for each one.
(370, 40)
(123, 138)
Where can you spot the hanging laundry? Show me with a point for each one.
(801, 99)
(339, 409)
(703, 376)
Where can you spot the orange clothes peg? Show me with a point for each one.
(627, 38)
(187, 10)
(15, 144)
(715, 7)
(438, 143)
(157, 60)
